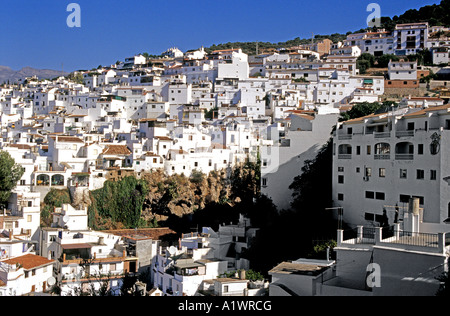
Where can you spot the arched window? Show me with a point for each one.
(42, 179)
(57, 179)
(382, 151)
(404, 151)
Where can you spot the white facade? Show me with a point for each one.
(294, 142)
(380, 161)
(25, 274)
(410, 38)
(402, 70)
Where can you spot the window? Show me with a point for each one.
(433, 175)
(420, 149)
(420, 174)
(29, 218)
(340, 179)
(358, 169)
(340, 197)
(403, 174)
(369, 149)
(358, 150)
(225, 289)
(370, 195)
(340, 169)
(369, 217)
(368, 172)
(382, 173)
(264, 182)
(380, 196)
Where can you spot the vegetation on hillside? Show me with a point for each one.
(10, 174)
(118, 204)
(53, 199)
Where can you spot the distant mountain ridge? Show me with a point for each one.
(13, 76)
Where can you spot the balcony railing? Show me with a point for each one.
(395, 237)
(345, 137)
(382, 156)
(404, 133)
(382, 135)
(346, 156)
(415, 239)
(404, 156)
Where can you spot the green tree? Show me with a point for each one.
(383, 61)
(363, 109)
(245, 181)
(118, 202)
(54, 198)
(364, 62)
(10, 174)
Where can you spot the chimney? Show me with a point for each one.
(242, 274)
(411, 220)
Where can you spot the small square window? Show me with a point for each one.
(420, 174)
(403, 174)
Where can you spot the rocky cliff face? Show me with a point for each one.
(178, 195)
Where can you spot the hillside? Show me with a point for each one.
(8, 74)
(436, 15)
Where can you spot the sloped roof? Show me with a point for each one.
(29, 261)
(67, 139)
(116, 150)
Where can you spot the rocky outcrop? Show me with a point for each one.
(179, 195)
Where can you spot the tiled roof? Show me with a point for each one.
(67, 139)
(29, 261)
(151, 233)
(116, 150)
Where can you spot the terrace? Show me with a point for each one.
(394, 237)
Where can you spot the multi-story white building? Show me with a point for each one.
(382, 160)
(202, 257)
(410, 38)
(294, 141)
(84, 257)
(26, 274)
(375, 43)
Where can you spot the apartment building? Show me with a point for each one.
(382, 160)
(376, 43)
(410, 38)
(201, 258)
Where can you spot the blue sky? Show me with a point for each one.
(35, 33)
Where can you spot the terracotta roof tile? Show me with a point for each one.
(29, 261)
(116, 150)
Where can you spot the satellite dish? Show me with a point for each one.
(65, 218)
(51, 281)
(172, 250)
